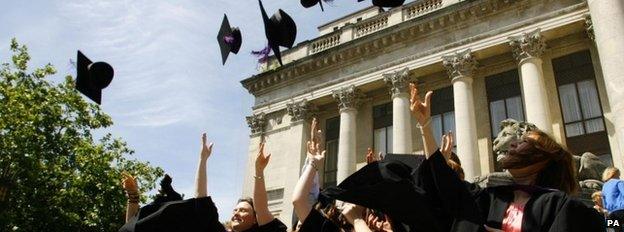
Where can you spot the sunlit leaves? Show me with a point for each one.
(60, 177)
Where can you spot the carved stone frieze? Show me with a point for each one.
(256, 122)
(460, 64)
(527, 45)
(301, 110)
(589, 27)
(348, 97)
(397, 82)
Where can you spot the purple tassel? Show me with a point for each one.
(262, 54)
(229, 39)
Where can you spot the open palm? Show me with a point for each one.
(420, 109)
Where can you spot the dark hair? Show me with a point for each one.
(332, 213)
(248, 200)
(559, 172)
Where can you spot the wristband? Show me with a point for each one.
(313, 165)
(133, 198)
(425, 124)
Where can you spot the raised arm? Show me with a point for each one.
(260, 198)
(446, 148)
(422, 112)
(129, 184)
(315, 158)
(355, 215)
(201, 185)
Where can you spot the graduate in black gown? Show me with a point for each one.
(264, 220)
(540, 200)
(171, 213)
(318, 213)
(312, 216)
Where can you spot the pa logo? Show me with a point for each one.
(612, 222)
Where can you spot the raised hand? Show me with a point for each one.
(370, 156)
(206, 148)
(352, 212)
(446, 148)
(315, 153)
(315, 137)
(421, 110)
(262, 159)
(378, 224)
(129, 183)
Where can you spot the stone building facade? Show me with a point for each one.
(554, 63)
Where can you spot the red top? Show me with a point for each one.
(512, 222)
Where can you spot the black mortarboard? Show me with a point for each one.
(280, 30)
(166, 192)
(386, 3)
(91, 77)
(229, 38)
(387, 186)
(311, 3)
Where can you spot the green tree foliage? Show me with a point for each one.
(58, 176)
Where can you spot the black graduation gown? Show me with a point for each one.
(547, 210)
(316, 222)
(192, 215)
(273, 226)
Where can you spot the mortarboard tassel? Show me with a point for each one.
(262, 54)
(229, 39)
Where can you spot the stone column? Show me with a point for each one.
(300, 118)
(401, 118)
(348, 98)
(256, 123)
(527, 49)
(460, 67)
(607, 19)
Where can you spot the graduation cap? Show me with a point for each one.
(311, 3)
(166, 192)
(91, 77)
(386, 3)
(387, 186)
(280, 30)
(229, 39)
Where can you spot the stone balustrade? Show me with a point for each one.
(370, 26)
(324, 43)
(421, 8)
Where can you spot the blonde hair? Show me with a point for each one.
(610, 173)
(597, 197)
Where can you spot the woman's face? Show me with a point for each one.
(243, 217)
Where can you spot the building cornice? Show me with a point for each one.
(290, 72)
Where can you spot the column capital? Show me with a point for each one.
(527, 45)
(460, 64)
(301, 111)
(589, 27)
(397, 82)
(256, 122)
(348, 97)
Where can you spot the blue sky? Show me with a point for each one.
(169, 83)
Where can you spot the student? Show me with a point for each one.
(539, 200)
(325, 216)
(249, 215)
(168, 212)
